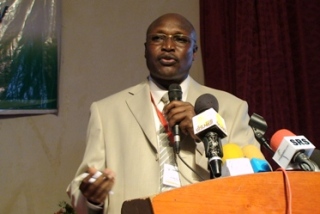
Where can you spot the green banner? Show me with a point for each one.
(28, 56)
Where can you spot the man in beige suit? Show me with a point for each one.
(123, 131)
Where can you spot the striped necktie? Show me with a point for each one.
(166, 155)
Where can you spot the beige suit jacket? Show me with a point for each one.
(122, 136)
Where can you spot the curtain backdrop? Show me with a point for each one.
(267, 53)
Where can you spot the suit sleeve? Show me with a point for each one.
(238, 127)
(94, 156)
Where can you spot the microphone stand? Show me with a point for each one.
(304, 162)
(259, 127)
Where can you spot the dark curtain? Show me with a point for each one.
(267, 53)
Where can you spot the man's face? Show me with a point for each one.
(169, 50)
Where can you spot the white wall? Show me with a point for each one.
(102, 52)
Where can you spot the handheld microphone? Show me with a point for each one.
(257, 159)
(210, 127)
(291, 150)
(175, 93)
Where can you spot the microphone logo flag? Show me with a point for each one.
(209, 119)
(289, 146)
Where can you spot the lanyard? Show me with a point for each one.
(163, 121)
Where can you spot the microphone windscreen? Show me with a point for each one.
(231, 151)
(260, 165)
(251, 151)
(175, 92)
(278, 136)
(205, 102)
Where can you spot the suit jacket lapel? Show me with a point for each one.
(141, 107)
(193, 93)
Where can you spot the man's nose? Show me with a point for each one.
(168, 44)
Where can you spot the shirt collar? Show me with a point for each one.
(157, 92)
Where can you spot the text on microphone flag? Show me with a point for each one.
(209, 119)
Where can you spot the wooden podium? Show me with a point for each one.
(255, 193)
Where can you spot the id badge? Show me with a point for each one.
(171, 176)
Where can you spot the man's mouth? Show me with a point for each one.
(167, 60)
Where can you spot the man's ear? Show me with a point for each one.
(145, 50)
(195, 48)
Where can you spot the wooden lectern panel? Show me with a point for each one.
(254, 193)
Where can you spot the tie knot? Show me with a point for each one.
(165, 98)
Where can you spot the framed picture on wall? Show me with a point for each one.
(29, 56)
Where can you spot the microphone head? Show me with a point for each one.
(231, 151)
(257, 159)
(251, 151)
(234, 161)
(204, 102)
(260, 165)
(175, 92)
(278, 136)
(291, 151)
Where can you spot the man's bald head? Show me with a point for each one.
(177, 18)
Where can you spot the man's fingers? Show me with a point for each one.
(100, 189)
(95, 187)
